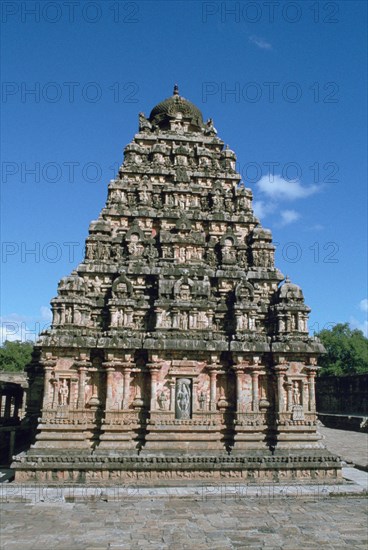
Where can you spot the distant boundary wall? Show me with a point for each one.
(342, 401)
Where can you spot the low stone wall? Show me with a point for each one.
(344, 422)
(342, 394)
(342, 401)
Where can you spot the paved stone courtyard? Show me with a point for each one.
(351, 446)
(228, 523)
(219, 517)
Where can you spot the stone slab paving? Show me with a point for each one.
(195, 523)
(351, 446)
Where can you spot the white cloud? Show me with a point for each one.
(276, 187)
(262, 209)
(363, 305)
(262, 44)
(360, 326)
(289, 216)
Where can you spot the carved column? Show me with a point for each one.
(154, 369)
(172, 395)
(82, 369)
(305, 395)
(109, 367)
(302, 396)
(109, 382)
(289, 388)
(55, 395)
(46, 392)
(255, 391)
(239, 370)
(213, 369)
(280, 373)
(126, 387)
(94, 402)
(62, 314)
(312, 389)
(195, 395)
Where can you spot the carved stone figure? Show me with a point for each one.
(296, 393)
(202, 322)
(183, 320)
(68, 315)
(162, 400)
(183, 399)
(144, 124)
(156, 201)
(210, 130)
(228, 253)
(202, 399)
(135, 248)
(63, 392)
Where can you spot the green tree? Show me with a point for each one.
(347, 351)
(14, 356)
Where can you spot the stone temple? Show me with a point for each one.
(177, 349)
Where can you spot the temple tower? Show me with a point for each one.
(176, 336)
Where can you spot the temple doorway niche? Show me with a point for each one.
(183, 399)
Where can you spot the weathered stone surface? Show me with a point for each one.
(216, 518)
(174, 335)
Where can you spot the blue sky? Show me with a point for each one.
(285, 84)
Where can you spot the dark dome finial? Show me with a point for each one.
(173, 105)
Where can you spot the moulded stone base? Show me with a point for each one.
(298, 439)
(59, 438)
(243, 441)
(115, 438)
(162, 439)
(200, 433)
(116, 441)
(311, 465)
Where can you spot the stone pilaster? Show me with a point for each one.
(239, 372)
(82, 367)
(280, 374)
(312, 371)
(154, 369)
(255, 390)
(48, 366)
(305, 396)
(213, 371)
(172, 395)
(109, 367)
(126, 389)
(289, 390)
